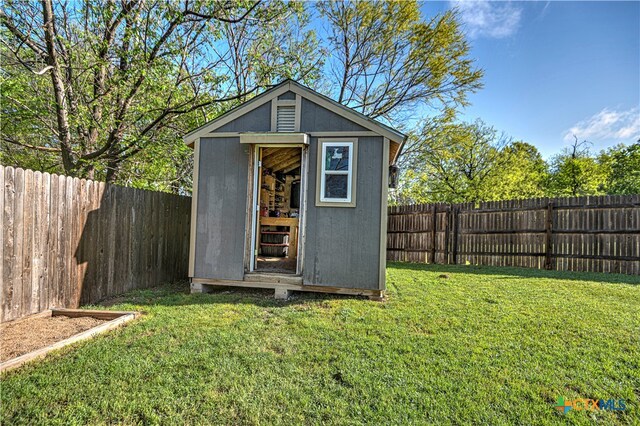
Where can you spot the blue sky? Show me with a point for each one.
(553, 69)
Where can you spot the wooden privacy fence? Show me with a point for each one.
(68, 241)
(597, 234)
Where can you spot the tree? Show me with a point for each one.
(124, 76)
(106, 90)
(453, 163)
(22, 119)
(261, 53)
(575, 172)
(385, 61)
(522, 174)
(623, 164)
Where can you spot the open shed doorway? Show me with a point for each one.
(279, 203)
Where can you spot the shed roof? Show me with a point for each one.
(306, 92)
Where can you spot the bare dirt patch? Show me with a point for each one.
(21, 337)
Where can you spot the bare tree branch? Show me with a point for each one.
(25, 145)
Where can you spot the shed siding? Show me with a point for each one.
(222, 200)
(343, 244)
(257, 120)
(314, 118)
(287, 96)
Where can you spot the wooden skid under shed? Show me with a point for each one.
(116, 319)
(199, 285)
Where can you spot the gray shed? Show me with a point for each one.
(290, 193)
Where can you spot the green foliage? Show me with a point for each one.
(274, 45)
(112, 97)
(451, 162)
(123, 82)
(21, 118)
(483, 346)
(522, 174)
(386, 60)
(129, 79)
(623, 163)
(575, 172)
(165, 165)
(456, 162)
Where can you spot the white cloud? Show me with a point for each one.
(488, 19)
(608, 124)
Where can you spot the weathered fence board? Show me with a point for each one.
(599, 234)
(67, 241)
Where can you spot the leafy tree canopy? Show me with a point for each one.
(106, 89)
(386, 60)
(88, 87)
(623, 166)
(451, 162)
(576, 172)
(522, 173)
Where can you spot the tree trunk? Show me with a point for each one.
(113, 168)
(64, 132)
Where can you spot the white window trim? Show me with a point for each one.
(350, 201)
(325, 172)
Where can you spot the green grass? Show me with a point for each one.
(485, 345)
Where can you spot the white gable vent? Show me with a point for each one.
(286, 118)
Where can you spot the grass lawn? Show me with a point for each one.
(485, 345)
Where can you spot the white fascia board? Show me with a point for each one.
(275, 138)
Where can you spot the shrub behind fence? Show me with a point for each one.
(68, 241)
(597, 234)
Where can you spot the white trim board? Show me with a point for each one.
(352, 175)
(275, 138)
(382, 277)
(312, 134)
(194, 210)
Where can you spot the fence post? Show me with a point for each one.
(456, 225)
(433, 233)
(447, 231)
(549, 232)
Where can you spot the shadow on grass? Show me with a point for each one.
(506, 272)
(178, 294)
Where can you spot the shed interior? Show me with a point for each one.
(279, 201)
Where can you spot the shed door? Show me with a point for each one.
(278, 204)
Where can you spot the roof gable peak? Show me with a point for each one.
(311, 95)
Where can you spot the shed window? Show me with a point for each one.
(286, 118)
(337, 172)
